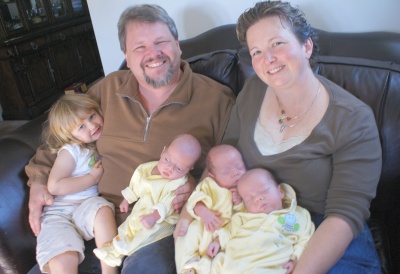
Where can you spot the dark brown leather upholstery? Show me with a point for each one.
(373, 76)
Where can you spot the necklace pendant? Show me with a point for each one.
(283, 126)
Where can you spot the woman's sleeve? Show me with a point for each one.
(357, 163)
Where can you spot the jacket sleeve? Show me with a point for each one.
(39, 166)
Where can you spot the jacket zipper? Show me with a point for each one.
(147, 127)
(148, 118)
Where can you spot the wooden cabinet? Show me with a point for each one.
(45, 46)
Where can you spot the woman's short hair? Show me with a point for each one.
(292, 16)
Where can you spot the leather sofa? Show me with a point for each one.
(365, 64)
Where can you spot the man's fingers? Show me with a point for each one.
(35, 211)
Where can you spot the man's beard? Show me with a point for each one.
(165, 79)
(162, 82)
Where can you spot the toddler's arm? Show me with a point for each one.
(60, 182)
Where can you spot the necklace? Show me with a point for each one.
(282, 113)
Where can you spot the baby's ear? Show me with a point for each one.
(163, 150)
(281, 191)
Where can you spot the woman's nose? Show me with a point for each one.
(268, 58)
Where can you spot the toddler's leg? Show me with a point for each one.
(65, 263)
(105, 230)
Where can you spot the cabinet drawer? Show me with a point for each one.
(31, 45)
(61, 35)
(83, 28)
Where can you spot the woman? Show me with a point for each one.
(311, 134)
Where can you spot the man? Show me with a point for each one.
(144, 108)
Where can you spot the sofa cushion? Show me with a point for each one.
(376, 83)
(220, 65)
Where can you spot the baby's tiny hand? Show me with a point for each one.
(148, 221)
(236, 199)
(124, 206)
(290, 266)
(212, 249)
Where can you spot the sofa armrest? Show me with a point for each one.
(17, 241)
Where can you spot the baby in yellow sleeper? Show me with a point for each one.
(211, 206)
(269, 237)
(152, 186)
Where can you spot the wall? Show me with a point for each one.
(193, 17)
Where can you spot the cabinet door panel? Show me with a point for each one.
(65, 62)
(37, 77)
(87, 52)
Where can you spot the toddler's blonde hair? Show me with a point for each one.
(65, 114)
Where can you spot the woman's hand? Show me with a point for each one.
(183, 193)
(39, 196)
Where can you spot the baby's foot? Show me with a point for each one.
(120, 245)
(188, 271)
(109, 255)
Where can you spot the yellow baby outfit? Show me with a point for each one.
(152, 192)
(262, 243)
(190, 250)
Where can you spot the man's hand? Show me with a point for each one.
(183, 192)
(39, 196)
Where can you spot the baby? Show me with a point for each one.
(270, 236)
(153, 217)
(211, 205)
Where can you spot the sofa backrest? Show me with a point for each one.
(383, 46)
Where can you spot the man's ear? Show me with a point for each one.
(179, 47)
(126, 60)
